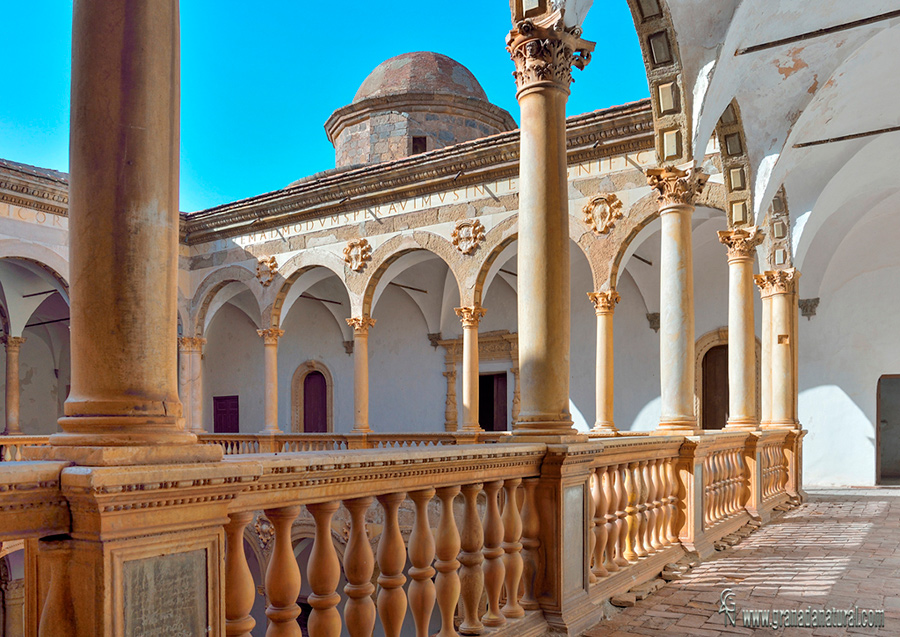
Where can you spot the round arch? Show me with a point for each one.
(294, 271)
(211, 286)
(297, 394)
(711, 339)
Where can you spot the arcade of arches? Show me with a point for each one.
(411, 291)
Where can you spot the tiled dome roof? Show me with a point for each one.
(420, 72)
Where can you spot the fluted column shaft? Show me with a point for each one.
(470, 317)
(677, 190)
(361, 326)
(270, 338)
(544, 58)
(741, 244)
(13, 344)
(605, 307)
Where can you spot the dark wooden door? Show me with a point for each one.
(315, 403)
(492, 401)
(888, 430)
(225, 415)
(714, 374)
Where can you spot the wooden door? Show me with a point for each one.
(714, 375)
(315, 403)
(888, 430)
(492, 402)
(225, 415)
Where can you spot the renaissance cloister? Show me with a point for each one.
(478, 378)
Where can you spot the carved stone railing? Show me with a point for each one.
(281, 443)
(522, 537)
(11, 446)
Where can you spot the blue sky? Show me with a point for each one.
(259, 79)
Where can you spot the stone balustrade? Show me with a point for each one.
(281, 443)
(474, 527)
(11, 446)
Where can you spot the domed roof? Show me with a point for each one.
(420, 72)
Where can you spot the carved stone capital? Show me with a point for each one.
(357, 254)
(777, 281)
(544, 52)
(601, 212)
(361, 324)
(13, 343)
(191, 343)
(470, 316)
(675, 186)
(266, 267)
(741, 242)
(604, 302)
(270, 335)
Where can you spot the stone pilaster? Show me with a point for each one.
(190, 360)
(741, 244)
(605, 308)
(13, 345)
(676, 191)
(270, 338)
(544, 52)
(361, 326)
(470, 317)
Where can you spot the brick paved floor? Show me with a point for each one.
(841, 549)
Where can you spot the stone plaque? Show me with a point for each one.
(573, 538)
(165, 596)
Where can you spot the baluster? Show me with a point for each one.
(447, 547)
(421, 554)
(283, 577)
(324, 574)
(662, 502)
(531, 526)
(512, 547)
(57, 616)
(713, 489)
(359, 564)
(653, 512)
(673, 481)
(494, 570)
(729, 489)
(650, 511)
(736, 480)
(622, 514)
(708, 501)
(640, 506)
(631, 514)
(591, 526)
(391, 557)
(471, 577)
(599, 543)
(612, 535)
(723, 484)
(239, 588)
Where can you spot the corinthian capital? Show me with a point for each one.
(675, 186)
(741, 241)
(12, 342)
(470, 316)
(361, 324)
(191, 343)
(544, 52)
(270, 335)
(777, 281)
(604, 302)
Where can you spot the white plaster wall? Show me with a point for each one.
(233, 366)
(583, 343)
(407, 389)
(311, 333)
(40, 403)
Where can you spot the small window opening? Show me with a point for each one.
(419, 145)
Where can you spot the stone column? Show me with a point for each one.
(13, 344)
(123, 406)
(361, 326)
(765, 357)
(544, 55)
(190, 353)
(741, 243)
(782, 284)
(605, 307)
(677, 189)
(270, 337)
(470, 317)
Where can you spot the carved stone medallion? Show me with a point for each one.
(357, 253)
(266, 267)
(601, 212)
(468, 235)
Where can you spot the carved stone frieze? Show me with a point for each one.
(357, 254)
(191, 343)
(266, 268)
(741, 242)
(270, 335)
(470, 316)
(604, 302)
(544, 52)
(675, 186)
(361, 324)
(602, 211)
(468, 235)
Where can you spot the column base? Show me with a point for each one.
(604, 429)
(786, 424)
(679, 428)
(543, 427)
(742, 425)
(102, 449)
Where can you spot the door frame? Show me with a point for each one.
(719, 336)
(297, 380)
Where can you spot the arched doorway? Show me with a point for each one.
(714, 374)
(312, 397)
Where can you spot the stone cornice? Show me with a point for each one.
(28, 190)
(614, 131)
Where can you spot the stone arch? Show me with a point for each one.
(54, 263)
(718, 336)
(294, 269)
(623, 236)
(368, 286)
(297, 396)
(497, 240)
(211, 286)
